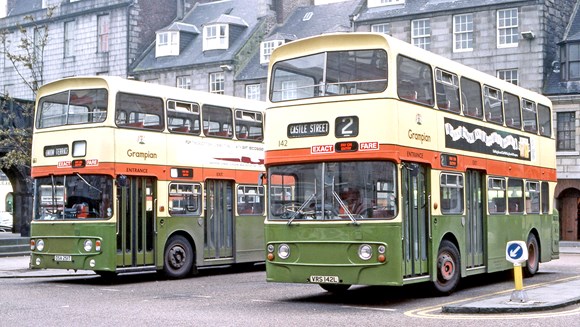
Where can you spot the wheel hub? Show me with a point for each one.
(177, 257)
(446, 266)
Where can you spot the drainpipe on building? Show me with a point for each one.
(128, 38)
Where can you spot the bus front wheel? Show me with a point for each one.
(178, 257)
(448, 268)
(533, 263)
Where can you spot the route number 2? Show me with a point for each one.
(346, 126)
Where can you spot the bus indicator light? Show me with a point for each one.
(350, 146)
(78, 163)
(181, 172)
(448, 160)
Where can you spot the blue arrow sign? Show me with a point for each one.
(516, 252)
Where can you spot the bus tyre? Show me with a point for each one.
(335, 288)
(107, 275)
(533, 263)
(448, 268)
(178, 258)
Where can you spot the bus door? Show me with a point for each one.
(136, 221)
(415, 220)
(474, 224)
(219, 226)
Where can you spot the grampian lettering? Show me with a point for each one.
(419, 137)
(143, 155)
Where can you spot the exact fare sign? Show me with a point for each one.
(351, 146)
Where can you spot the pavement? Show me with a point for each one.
(547, 296)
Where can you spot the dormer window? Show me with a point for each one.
(380, 3)
(266, 49)
(215, 37)
(167, 44)
(570, 61)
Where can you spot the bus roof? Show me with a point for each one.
(394, 47)
(120, 84)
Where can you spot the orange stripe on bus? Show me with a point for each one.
(161, 172)
(399, 153)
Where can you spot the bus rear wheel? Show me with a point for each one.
(178, 258)
(448, 268)
(335, 288)
(533, 263)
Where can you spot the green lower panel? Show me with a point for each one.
(64, 246)
(326, 251)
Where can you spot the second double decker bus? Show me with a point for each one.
(390, 165)
(135, 176)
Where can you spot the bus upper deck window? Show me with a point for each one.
(414, 81)
(471, 98)
(447, 90)
(529, 116)
(513, 117)
(544, 121)
(492, 105)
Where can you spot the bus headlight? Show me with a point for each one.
(283, 251)
(365, 252)
(39, 245)
(88, 245)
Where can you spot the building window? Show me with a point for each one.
(215, 37)
(69, 39)
(380, 28)
(289, 90)
(183, 82)
(216, 83)
(508, 75)
(570, 61)
(507, 28)
(103, 33)
(566, 131)
(167, 44)
(380, 3)
(463, 33)
(253, 91)
(266, 49)
(421, 34)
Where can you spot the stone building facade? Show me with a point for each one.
(84, 37)
(563, 88)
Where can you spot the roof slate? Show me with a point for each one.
(554, 84)
(328, 18)
(237, 12)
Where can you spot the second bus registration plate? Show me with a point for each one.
(324, 279)
(61, 258)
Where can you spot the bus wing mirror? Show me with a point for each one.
(122, 181)
(261, 179)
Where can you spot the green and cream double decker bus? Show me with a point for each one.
(132, 176)
(390, 165)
